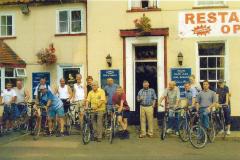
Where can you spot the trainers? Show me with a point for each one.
(169, 130)
(177, 133)
(221, 131)
(60, 134)
(228, 132)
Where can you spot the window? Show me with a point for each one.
(143, 4)
(21, 72)
(69, 22)
(202, 3)
(211, 62)
(6, 25)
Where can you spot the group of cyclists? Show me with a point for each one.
(57, 101)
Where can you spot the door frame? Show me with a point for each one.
(129, 58)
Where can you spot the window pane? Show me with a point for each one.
(212, 75)
(146, 52)
(3, 20)
(210, 2)
(76, 26)
(76, 15)
(63, 27)
(220, 62)
(212, 62)
(3, 30)
(207, 49)
(9, 72)
(136, 4)
(63, 16)
(9, 30)
(203, 62)
(203, 75)
(9, 20)
(220, 74)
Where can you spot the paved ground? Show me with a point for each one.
(71, 148)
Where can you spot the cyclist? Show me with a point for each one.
(205, 101)
(89, 83)
(54, 107)
(97, 99)
(37, 89)
(194, 84)
(110, 89)
(190, 95)
(119, 100)
(79, 95)
(172, 96)
(22, 96)
(147, 98)
(223, 98)
(64, 92)
(10, 112)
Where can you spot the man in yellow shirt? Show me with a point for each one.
(97, 99)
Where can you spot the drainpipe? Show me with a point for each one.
(86, 3)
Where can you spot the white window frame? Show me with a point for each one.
(20, 75)
(226, 61)
(13, 24)
(210, 5)
(69, 11)
(130, 4)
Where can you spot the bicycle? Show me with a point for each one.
(198, 135)
(163, 132)
(113, 125)
(184, 125)
(70, 118)
(87, 130)
(211, 132)
(220, 120)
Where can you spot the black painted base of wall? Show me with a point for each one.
(134, 119)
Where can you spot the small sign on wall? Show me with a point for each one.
(181, 76)
(36, 79)
(105, 74)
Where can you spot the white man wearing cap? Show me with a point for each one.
(54, 108)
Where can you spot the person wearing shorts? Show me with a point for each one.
(64, 92)
(54, 107)
(119, 100)
(79, 95)
(10, 111)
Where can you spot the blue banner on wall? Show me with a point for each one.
(36, 79)
(105, 74)
(180, 76)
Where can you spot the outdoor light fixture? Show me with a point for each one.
(109, 60)
(24, 8)
(180, 58)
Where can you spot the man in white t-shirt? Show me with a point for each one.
(10, 111)
(79, 96)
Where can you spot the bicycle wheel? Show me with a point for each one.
(86, 136)
(111, 130)
(164, 128)
(211, 132)
(198, 136)
(1, 130)
(68, 124)
(184, 131)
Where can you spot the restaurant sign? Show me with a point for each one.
(209, 23)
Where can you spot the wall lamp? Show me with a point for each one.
(25, 9)
(109, 60)
(180, 58)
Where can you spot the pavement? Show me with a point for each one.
(22, 147)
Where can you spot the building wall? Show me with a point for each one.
(106, 18)
(37, 30)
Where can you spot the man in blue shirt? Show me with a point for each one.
(110, 89)
(54, 106)
(147, 98)
(190, 95)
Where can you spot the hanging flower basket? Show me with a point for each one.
(47, 56)
(143, 25)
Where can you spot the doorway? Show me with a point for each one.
(145, 69)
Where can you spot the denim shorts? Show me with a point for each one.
(124, 114)
(10, 112)
(23, 109)
(53, 112)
